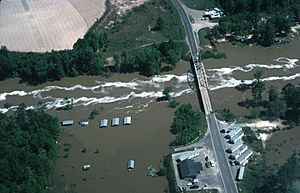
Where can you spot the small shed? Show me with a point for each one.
(127, 121)
(130, 165)
(84, 122)
(67, 122)
(115, 121)
(103, 123)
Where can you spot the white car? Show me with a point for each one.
(212, 163)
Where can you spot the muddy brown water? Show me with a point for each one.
(147, 139)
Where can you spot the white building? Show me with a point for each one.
(84, 122)
(238, 152)
(241, 173)
(234, 147)
(237, 137)
(127, 120)
(244, 157)
(130, 165)
(115, 121)
(233, 132)
(103, 123)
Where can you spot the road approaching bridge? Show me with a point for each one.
(202, 86)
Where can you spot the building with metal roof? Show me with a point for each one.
(189, 168)
(240, 175)
(188, 155)
(234, 147)
(244, 157)
(67, 122)
(103, 123)
(127, 120)
(130, 165)
(84, 122)
(237, 137)
(115, 121)
(233, 132)
(239, 152)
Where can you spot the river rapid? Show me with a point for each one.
(147, 139)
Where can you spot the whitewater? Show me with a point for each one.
(150, 89)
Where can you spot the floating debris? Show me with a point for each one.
(152, 172)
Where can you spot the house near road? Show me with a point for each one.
(188, 155)
(103, 123)
(115, 121)
(127, 120)
(189, 169)
(214, 13)
(67, 122)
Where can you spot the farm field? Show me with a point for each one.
(45, 25)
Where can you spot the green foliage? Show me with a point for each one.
(94, 113)
(277, 108)
(208, 53)
(225, 115)
(7, 105)
(27, 156)
(199, 4)
(242, 87)
(187, 125)
(168, 170)
(263, 19)
(273, 93)
(251, 140)
(88, 56)
(257, 86)
(167, 93)
(173, 103)
(203, 36)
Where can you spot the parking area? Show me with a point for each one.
(196, 169)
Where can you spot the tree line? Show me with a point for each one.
(284, 104)
(264, 20)
(27, 155)
(86, 58)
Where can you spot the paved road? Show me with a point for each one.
(226, 175)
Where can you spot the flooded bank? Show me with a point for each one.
(146, 141)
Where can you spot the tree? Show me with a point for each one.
(167, 93)
(269, 34)
(160, 24)
(258, 86)
(273, 93)
(277, 108)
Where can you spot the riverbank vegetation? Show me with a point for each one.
(284, 104)
(188, 125)
(27, 153)
(113, 44)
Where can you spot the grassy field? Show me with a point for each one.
(199, 4)
(202, 36)
(134, 29)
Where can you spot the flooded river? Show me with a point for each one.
(147, 139)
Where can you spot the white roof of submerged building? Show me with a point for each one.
(104, 123)
(67, 122)
(115, 121)
(127, 120)
(84, 122)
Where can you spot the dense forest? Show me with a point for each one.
(264, 20)
(89, 55)
(27, 156)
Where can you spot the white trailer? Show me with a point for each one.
(241, 173)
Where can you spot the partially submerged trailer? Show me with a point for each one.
(130, 165)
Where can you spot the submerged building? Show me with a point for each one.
(234, 147)
(244, 157)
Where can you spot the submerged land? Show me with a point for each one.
(129, 93)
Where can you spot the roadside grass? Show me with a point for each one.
(202, 34)
(133, 30)
(199, 4)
